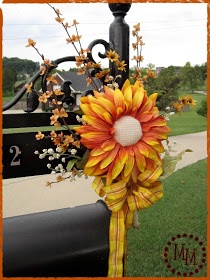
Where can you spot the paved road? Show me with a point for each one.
(29, 194)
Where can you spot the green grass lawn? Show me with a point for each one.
(10, 97)
(188, 122)
(183, 209)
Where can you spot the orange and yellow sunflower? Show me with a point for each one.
(124, 132)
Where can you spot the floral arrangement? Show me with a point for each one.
(183, 103)
(119, 140)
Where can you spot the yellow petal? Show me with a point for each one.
(128, 166)
(117, 168)
(97, 152)
(149, 104)
(125, 85)
(128, 98)
(140, 159)
(96, 122)
(98, 110)
(87, 110)
(123, 155)
(108, 106)
(119, 99)
(107, 117)
(94, 160)
(143, 148)
(109, 145)
(136, 86)
(138, 97)
(110, 157)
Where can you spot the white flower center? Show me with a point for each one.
(127, 131)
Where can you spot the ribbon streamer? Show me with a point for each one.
(123, 199)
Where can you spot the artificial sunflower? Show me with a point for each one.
(123, 131)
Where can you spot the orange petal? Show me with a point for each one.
(109, 144)
(94, 160)
(108, 118)
(108, 106)
(89, 170)
(145, 117)
(135, 173)
(152, 153)
(109, 93)
(98, 110)
(140, 159)
(87, 110)
(143, 149)
(97, 152)
(149, 104)
(150, 140)
(161, 129)
(96, 122)
(159, 148)
(117, 168)
(109, 178)
(128, 166)
(159, 121)
(100, 172)
(155, 135)
(123, 155)
(96, 136)
(94, 171)
(110, 157)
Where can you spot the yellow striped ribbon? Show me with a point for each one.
(123, 199)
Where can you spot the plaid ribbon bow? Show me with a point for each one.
(123, 199)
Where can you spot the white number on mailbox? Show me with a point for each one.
(15, 150)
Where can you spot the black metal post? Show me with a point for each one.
(119, 38)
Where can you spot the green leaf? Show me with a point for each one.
(71, 163)
(169, 163)
(81, 164)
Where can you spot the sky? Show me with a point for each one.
(173, 33)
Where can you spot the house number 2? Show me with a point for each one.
(16, 151)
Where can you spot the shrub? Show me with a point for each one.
(203, 109)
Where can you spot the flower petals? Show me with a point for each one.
(110, 157)
(96, 123)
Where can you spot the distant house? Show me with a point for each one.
(176, 68)
(158, 70)
(70, 80)
(19, 85)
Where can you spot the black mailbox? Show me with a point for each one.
(72, 242)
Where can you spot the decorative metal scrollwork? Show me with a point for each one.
(98, 42)
(118, 40)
